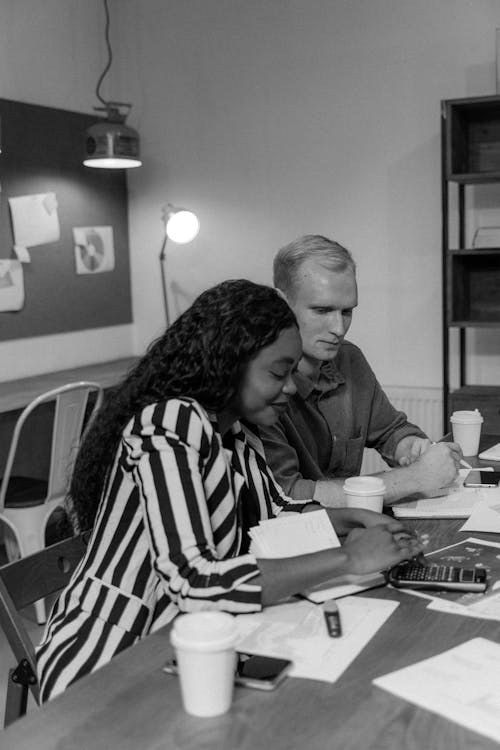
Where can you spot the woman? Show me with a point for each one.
(171, 482)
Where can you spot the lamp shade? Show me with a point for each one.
(112, 145)
(182, 225)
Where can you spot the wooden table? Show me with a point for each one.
(132, 705)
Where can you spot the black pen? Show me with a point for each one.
(332, 618)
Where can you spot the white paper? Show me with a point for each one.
(22, 254)
(491, 454)
(458, 504)
(11, 286)
(461, 684)
(297, 631)
(484, 517)
(94, 249)
(34, 220)
(293, 534)
(344, 586)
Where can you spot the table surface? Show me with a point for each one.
(131, 703)
(16, 394)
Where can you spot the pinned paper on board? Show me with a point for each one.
(94, 249)
(35, 221)
(11, 286)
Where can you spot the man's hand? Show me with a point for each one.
(410, 448)
(438, 466)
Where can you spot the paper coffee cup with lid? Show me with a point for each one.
(466, 428)
(365, 492)
(204, 643)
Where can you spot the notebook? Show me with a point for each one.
(299, 534)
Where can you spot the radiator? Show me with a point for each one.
(423, 407)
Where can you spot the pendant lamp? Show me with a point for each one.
(109, 143)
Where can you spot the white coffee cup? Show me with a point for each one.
(204, 643)
(365, 492)
(466, 428)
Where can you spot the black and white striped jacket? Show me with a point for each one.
(170, 536)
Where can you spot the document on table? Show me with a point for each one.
(470, 553)
(297, 631)
(461, 684)
(484, 517)
(457, 504)
(298, 534)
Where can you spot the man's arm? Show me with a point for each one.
(433, 469)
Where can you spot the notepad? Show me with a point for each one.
(300, 534)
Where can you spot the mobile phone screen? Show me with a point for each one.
(256, 667)
(482, 479)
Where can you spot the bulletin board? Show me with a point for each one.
(42, 151)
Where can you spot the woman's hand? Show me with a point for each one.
(345, 519)
(373, 549)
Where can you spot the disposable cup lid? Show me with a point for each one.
(364, 486)
(204, 631)
(466, 417)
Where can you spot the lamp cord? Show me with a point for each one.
(163, 259)
(110, 56)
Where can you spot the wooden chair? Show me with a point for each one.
(23, 582)
(27, 503)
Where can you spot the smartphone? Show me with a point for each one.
(252, 670)
(478, 478)
(410, 575)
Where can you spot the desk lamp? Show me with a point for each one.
(181, 226)
(109, 143)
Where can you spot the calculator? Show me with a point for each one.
(411, 575)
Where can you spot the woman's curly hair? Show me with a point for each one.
(202, 355)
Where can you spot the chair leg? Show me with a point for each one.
(16, 701)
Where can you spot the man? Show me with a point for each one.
(340, 408)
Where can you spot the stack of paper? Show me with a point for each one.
(293, 534)
(299, 534)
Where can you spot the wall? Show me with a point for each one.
(270, 118)
(51, 53)
(273, 118)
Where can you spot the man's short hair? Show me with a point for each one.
(327, 253)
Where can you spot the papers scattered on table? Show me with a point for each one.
(298, 534)
(461, 684)
(297, 631)
(484, 517)
(491, 454)
(457, 504)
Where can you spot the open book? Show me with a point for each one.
(299, 534)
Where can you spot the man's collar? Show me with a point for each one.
(329, 377)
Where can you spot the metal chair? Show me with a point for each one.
(22, 583)
(26, 503)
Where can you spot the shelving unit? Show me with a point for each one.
(470, 135)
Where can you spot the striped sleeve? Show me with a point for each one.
(279, 501)
(189, 509)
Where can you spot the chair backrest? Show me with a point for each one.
(70, 407)
(25, 581)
